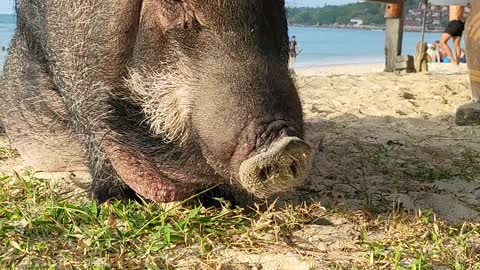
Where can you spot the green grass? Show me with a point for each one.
(42, 229)
(422, 242)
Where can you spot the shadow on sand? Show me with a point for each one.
(383, 164)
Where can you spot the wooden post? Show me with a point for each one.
(469, 114)
(472, 43)
(394, 15)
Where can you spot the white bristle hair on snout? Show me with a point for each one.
(165, 98)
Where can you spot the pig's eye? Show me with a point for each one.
(175, 14)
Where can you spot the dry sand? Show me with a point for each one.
(385, 142)
(392, 137)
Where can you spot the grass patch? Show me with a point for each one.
(44, 228)
(7, 152)
(421, 242)
(392, 159)
(41, 229)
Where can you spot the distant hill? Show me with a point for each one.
(370, 13)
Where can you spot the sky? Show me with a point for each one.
(6, 6)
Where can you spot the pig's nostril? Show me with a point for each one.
(265, 173)
(294, 169)
(273, 170)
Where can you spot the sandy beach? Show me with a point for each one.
(358, 69)
(359, 112)
(385, 143)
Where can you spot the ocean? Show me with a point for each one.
(320, 46)
(325, 46)
(7, 26)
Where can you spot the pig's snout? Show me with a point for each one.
(280, 167)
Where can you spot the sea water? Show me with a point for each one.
(7, 27)
(325, 46)
(319, 46)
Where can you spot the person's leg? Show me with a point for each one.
(458, 48)
(444, 45)
(291, 58)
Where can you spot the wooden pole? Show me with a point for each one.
(469, 114)
(394, 15)
(472, 43)
(424, 19)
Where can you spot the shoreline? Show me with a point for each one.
(340, 62)
(413, 29)
(369, 68)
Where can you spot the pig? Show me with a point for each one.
(160, 99)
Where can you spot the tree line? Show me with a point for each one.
(370, 13)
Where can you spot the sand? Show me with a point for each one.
(400, 129)
(384, 142)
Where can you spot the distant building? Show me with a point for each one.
(436, 20)
(356, 21)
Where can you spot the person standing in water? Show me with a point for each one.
(454, 30)
(292, 51)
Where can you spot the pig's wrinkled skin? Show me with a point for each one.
(162, 98)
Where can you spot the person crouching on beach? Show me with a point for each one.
(454, 30)
(292, 51)
(433, 53)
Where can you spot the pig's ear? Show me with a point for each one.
(175, 14)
